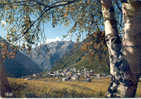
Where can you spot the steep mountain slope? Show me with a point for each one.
(47, 54)
(21, 65)
(91, 54)
(80, 59)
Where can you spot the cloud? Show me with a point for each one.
(3, 22)
(49, 40)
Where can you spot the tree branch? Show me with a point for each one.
(47, 8)
(18, 3)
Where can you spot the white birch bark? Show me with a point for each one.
(132, 40)
(119, 69)
(110, 30)
(132, 36)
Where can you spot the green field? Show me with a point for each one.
(69, 89)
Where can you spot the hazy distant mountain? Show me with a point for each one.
(47, 54)
(21, 65)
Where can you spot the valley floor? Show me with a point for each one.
(58, 89)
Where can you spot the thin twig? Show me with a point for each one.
(47, 8)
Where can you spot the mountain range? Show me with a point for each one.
(46, 55)
(52, 56)
(21, 65)
(80, 59)
(41, 58)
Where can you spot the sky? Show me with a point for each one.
(56, 34)
(52, 34)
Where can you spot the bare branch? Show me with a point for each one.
(40, 3)
(47, 8)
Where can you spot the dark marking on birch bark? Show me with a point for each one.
(111, 9)
(124, 1)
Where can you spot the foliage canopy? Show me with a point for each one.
(25, 19)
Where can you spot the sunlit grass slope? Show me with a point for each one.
(39, 88)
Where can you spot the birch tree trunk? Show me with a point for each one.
(132, 40)
(5, 90)
(121, 83)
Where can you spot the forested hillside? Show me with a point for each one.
(90, 54)
(20, 65)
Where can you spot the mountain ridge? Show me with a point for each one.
(19, 66)
(47, 54)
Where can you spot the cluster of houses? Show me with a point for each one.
(69, 74)
(74, 74)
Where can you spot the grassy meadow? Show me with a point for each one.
(58, 89)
